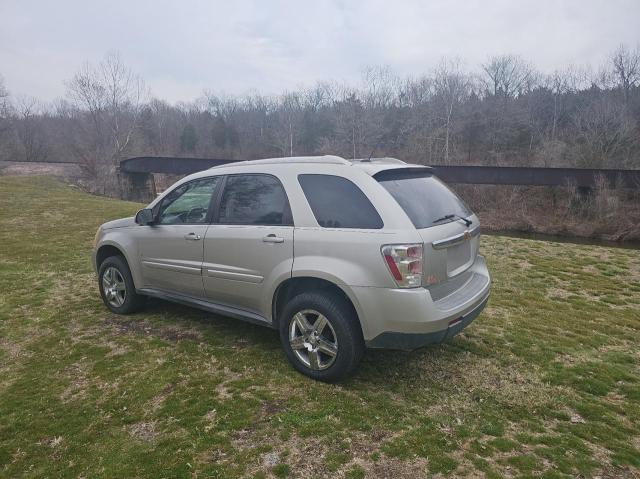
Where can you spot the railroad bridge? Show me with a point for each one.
(137, 183)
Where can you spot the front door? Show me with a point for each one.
(249, 243)
(172, 248)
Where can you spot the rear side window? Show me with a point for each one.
(254, 200)
(338, 203)
(424, 198)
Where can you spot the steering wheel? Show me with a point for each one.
(196, 214)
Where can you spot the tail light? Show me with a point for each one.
(405, 264)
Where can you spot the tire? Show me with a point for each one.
(309, 352)
(116, 286)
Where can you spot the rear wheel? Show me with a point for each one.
(321, 336)
(116, 286)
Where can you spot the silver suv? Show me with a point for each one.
(337, 255)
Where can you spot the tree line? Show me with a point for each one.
(504, 112)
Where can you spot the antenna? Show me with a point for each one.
(375, 147)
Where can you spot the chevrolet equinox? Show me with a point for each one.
(337, 255)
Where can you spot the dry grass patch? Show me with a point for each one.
(78, 382)
(169, 333)
(143, 431)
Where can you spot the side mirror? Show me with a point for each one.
(144, 217)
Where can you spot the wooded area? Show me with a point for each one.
(504, 112)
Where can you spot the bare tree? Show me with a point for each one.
(159, 118)
(4, 93)
(349, 131)
(252, 124)
(319, 96)
(125, 93)
(626, 68)
(285, 123)
(559, 83)
(29, 129)
(508, 76)
(452, 88)
(417, 97)
(111, 96)
(415, 92)
(379, 95)
(4, 106)
(380, 87)
(605, 135)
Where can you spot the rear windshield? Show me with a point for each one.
(424, 198)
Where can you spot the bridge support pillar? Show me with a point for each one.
(585, 192)
(139, 187)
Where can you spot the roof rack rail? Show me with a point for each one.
(326, 159)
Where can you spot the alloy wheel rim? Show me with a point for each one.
(313, 339)
(114, 287)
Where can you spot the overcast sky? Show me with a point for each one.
(184, 47)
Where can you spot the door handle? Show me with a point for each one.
(272, 239)
(192, 237)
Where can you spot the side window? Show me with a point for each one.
(338, 203)
(188, 203)
(254, 200)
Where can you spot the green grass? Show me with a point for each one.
(546, 382)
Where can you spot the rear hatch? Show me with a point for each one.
(449, 230)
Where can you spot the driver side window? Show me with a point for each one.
(189, 203)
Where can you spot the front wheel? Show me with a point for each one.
(116, 286)
(321, 336)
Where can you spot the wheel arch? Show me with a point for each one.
(105, 251)
(110, 248)
(295, 285)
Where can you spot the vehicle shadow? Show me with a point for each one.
(171, 314)
(385, 369)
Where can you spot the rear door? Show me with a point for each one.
(250, 241)
(172, 248)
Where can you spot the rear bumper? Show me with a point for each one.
(407, 319)
(411, 341)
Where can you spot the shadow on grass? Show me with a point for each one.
(171, 314)
(385, 369)
(389, 369)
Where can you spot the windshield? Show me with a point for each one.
(425, 199)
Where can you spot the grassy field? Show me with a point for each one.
(545, 383)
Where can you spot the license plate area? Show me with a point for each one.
(458, 258)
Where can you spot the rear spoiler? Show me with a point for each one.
(403, 173)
